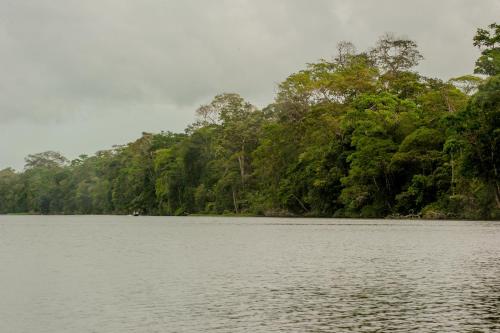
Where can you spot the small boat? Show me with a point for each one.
(136, 213)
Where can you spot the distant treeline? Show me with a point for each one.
(360, 135)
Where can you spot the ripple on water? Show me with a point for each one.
(122, 274)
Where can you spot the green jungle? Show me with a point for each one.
(358, 135)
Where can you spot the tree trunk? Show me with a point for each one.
(235, 203)
(497, 193)
(495, 173)
(452, 175)
(241, 162)
(300, 203)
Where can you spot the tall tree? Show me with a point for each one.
(488, 41)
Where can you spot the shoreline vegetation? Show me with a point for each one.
(255, 216)
(361, 135)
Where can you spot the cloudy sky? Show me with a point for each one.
(79, 76)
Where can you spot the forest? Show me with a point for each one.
(359, 135)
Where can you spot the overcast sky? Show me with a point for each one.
(80, 76)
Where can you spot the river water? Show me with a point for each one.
(214, 274)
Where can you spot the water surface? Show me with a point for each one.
(210, 274)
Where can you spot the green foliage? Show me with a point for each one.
(468, 84)
(488, 40)
(361, 135)
(11, 192)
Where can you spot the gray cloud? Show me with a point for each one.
(79, 76)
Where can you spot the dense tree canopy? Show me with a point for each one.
(362, 135)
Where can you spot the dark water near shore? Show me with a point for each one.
(209, 274)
